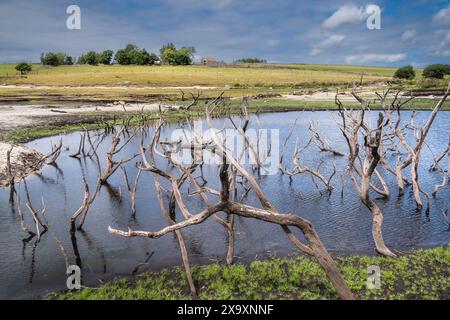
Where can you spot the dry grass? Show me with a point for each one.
(160, 76)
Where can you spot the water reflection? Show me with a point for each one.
(32, 266)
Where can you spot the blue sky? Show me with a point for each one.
(325, 32)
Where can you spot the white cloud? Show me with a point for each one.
(203, 4)
(273, 42)
(442, 49)
(315, 52)
(329, 42)
(375, 58)
(409, 36)
(345, 14)
(441, 53)
(443, 16)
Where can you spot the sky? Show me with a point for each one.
(285, 31)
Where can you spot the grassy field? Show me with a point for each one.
(377, 71)
(149, 83)
(422, 274)
(161, 76)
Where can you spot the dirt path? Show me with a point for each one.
(16, 116)
(366, 92)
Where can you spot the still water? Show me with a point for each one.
(31, 268)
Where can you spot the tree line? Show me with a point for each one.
(435, 71)
(130, 55)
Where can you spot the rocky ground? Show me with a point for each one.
(22, 160)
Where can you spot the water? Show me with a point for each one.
(30, 268)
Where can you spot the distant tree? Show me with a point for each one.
(153, 58)
(106, 57)
(131, 54)
(168, 56)
(168, 46)
(61, 58)
(92, 58)
(183, 56)
(50, 59)
(406, 72)
(436, 71)
(122, 57)
(81, 59)
(68, 60)
(55, 59)
(23, 68)
(140, 57)
(250, 60)
(127, 55)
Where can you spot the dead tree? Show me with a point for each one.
(11, 180)
(352, 127)
(88, 199)
(312, 247)
(436, 161)
(38, 216)
(322, 143)
(415, 151)
(81, 147)
(132, 190)
(23, 225)
(52, 156)
(300, 168)
(112, 165)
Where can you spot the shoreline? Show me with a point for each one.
(290, 277)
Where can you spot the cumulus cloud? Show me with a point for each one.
(329, 42)
(443, 16)
(273, 42)
(345, 14)
(375, 58)
(409, 36)
(442, 50)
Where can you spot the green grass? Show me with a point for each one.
(183, 76)
(367, 70)
(422, 274)
(148, 83)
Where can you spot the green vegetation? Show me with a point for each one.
(131, 54)
(406, 72)
(23, 68)
(171, 76)
(250, 60)
(56, 59)
(357, 70)
(422, 274)
(93, 58)
(177, 57)
(436, 71)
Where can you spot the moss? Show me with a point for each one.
(422, 274)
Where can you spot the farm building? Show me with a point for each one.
(211, 62)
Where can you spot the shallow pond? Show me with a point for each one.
(29, 268)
